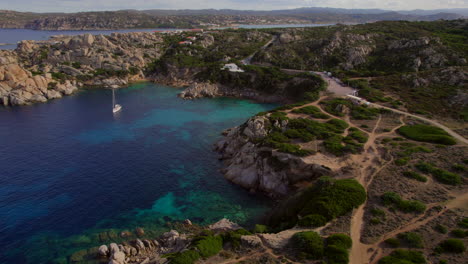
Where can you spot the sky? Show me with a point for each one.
(97, 5)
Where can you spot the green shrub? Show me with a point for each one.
(336, 255)
(302, 134)
(377, 212)
(234, 237)
(459, 167)
(334, 145)
(306, 110)
(340, 240)
(358, 135)
(441, 229)
(441, 175)
(209, 246)
(375, 221)
(427, 133)
(459, 233)
(309, 243)
(408, 206)
(312, 220)
(392, 242)
(390, 198)
(463, 223)
(413, 240)
(326, 197)
(278, 116)
(425, 167)
(402, 161)
(446, 177)
(451, 246)
(260, 229)
(185, 257)
(336, 199)
(339, 124)
(415, 175)
(401, 256)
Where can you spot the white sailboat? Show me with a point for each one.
(115, 107)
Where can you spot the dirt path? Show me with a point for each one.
(435, 123)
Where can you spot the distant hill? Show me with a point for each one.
(159, 18)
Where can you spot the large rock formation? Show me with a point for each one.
(41, 70)
(19, 86)
(259, 168)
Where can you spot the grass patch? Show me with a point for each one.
(415, 176)
(309, 243)
(407, 206)
(427, 133)
(441, 175)
(185, 257)
(313, 111)
(328, 198)
(209, 245)
(451, 246)
(401, 256)
(412, 240)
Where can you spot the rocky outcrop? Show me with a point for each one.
(38, 71)
(198, 90)
(259, 168)
(224, 225)
(19, 86)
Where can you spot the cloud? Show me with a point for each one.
(88, 5)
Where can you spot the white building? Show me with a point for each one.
(232, 67)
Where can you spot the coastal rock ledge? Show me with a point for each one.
(259, 168)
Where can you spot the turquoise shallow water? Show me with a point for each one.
(73, 175)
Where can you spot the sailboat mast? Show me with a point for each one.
(113, 98)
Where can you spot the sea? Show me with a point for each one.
(74, 176)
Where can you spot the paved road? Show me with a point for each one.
(248, 60)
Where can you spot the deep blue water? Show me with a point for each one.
(69, 169)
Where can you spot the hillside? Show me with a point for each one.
(422, 64)
(129, 19)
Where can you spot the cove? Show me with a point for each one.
(73, 175)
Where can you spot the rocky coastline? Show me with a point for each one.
(263, 169)
(41, 71)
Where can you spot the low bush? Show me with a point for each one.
(459, 233)
(336, 255)
(413, 240)
(312, 220)
(402, 161)
(392, 242)
(441, 229)
(451, 246)
(260, 229)
(185, 257)
(446, 177)
(407, 206)
(234, 237)
(340, 240)
(326, 197)
(377, 212)
(463, 223)
(209, 246)
(427, 133)
(401, 256)
(309, 243)
(415, 176)
(357, 135)
(441, 175)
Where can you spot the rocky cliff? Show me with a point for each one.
(39, 71)
(259, 168)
